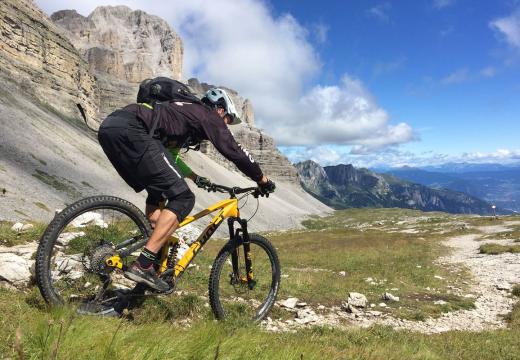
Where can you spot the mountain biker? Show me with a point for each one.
(135, 140)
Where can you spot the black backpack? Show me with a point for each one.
(161, 89)
(164, 89)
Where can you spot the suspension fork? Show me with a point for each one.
(241, 236)
(234, 254)
(247, 255)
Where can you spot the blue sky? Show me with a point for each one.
(444, 70)
(373, 83)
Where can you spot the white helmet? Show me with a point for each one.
(219, 97)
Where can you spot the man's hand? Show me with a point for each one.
(202, 181)
(266, 186)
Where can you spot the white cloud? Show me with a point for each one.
(242, 45)
(457, 77)
(380, 11)
(381, 68)
(319, 32)
(343, 114)
(439, 4)
(509, 28)
(488, 72)
(332, 155)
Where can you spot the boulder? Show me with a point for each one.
(26, 250)
(89, 218)
(289, 303)
(15, 269)
(357, 300)
(26, 227)
(17, 227)
(65, 238)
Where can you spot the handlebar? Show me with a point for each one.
(235, 190)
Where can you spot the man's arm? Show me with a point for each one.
(220, 136)
(187, 171)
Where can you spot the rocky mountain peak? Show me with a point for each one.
(311, 174)
(342, 174)
(311, 170)
(128, 44)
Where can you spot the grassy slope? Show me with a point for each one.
(359, 242)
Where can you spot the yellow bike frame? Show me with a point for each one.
(228, 208)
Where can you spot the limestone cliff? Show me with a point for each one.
(34, 54)
(123, 47)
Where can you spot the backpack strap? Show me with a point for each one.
(155, 120)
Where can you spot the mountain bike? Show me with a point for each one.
(87, 246)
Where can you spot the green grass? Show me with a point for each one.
(43, 162)
(42, 206)
(516, 290)
(156, 334)
(9, 237)
(513, 234)
(21, 213)
(495, 249)
(87, 184)
(57, 183)
(182, 326)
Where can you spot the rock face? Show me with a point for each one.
(255, 140)
(123, 47)
(344, 186)
(42, 61)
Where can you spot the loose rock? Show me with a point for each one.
(289, 303)
(389, 297)
(17, 227)
(27, 227)
(357, 300)
(504, 286)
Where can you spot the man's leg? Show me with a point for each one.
(152, 213)
(165, 222)
(165, 225)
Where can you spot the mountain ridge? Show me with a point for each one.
(343, 186)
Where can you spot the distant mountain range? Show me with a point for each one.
(343, 186)
(494, 183)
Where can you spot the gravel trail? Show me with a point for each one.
(493, 277)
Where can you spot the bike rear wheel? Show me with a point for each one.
(230, 294)
(70, 261)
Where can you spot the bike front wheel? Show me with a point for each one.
(231, 294)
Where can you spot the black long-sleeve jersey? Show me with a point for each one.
(178, 121)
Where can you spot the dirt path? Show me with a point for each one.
(493, 277)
